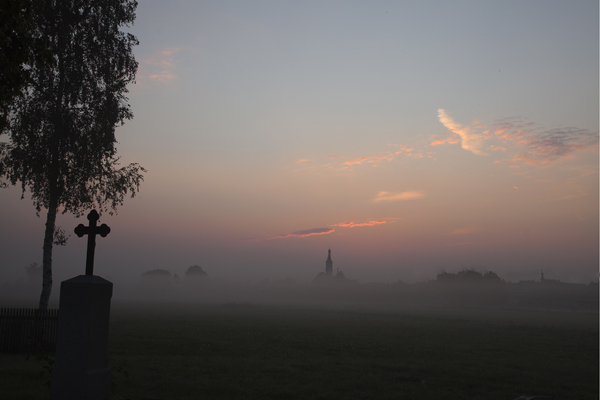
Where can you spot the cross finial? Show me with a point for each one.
(91, 231)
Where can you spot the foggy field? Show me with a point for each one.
(243, 351)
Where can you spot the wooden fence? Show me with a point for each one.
(27, 330)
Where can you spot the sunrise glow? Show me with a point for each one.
(274, 131)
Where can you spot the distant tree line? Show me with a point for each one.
(468, 276)
(163, 277)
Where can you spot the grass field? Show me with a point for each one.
(241, 351)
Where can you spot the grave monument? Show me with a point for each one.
(81, 367)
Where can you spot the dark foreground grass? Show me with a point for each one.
(267, 352)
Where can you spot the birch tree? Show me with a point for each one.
(61, 145)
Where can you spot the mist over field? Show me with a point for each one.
(465, 288)
(276, 340)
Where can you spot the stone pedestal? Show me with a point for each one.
(81, 368)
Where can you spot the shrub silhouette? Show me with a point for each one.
(468, 276)
(195, 271)
(157, 277)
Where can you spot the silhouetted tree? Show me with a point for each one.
(491, 276)
(21, 46)
(33, 272)
(195, 271)
(156, 273)
(446, 277)
(160, 277)
(469, 275)
(62, 130)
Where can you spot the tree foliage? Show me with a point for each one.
(468, 276)
(62, 142)
(62, 145)
(156, 278)
(21, 47)
(195, 271)
(157, 273)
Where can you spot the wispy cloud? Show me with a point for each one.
(388, 197)
(322, 231)
(523, 141)
(401, 150)
(407, 151)
(513, 141)
(470, 140)
(305, 233)
(497, 148)
(448, 140)
(352, 224)
(580, 193)
(543, 146)
(379, 158)
(160, 67)
(370, 160)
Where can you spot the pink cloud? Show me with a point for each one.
(370, 159)
(470, 140)
(388, 197)
(355, 224)
(358, 161)
(449, 140)
(497, 148)
(533, 145)
(501, 128)
(305, 233)
(159, 67)
(387, 156)
(408, 151)
(540, 146)
(374, 160)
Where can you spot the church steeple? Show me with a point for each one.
(329, 264)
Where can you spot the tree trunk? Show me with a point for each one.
(53, 167)
(47, 258)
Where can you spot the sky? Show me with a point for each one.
(409, 137)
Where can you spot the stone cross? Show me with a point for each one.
(91, 231)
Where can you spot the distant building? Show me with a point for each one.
(328, 275)
(546, 281)
(329, 264)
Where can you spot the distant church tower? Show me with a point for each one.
(329, 264)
